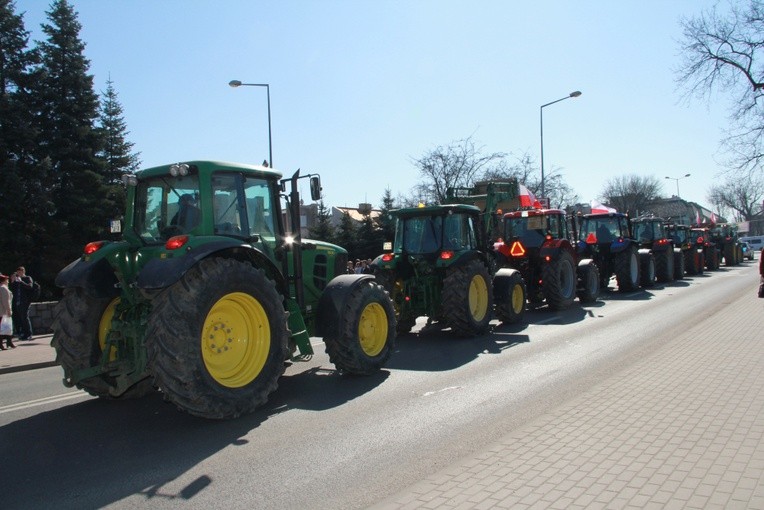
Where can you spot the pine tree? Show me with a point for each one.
(323, 229)
(68, 108)
(346, 235)
(385, 221)
(24, 206)
(117, 150)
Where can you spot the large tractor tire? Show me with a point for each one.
(589, 276)
(627, 269)
(509, 296)
(679, 268)
(559, 277)
(79, 337)
(664, 266)
(365, 336)
(700, 263)
(467, 299)
(729, 255)
(217, 339)
(647, 261)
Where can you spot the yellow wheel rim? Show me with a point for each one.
(372, 329)
(236, 340)
(104, 325)
(518, 300)
(478, 298)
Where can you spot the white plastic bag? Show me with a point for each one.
(6, 326)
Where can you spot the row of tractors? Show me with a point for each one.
(206, 291)
(454, 262)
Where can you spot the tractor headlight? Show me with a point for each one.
(179, 169)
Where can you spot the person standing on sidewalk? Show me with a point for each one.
(5, 310)
(22, 287)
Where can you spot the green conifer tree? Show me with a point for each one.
(68, 109)
(323, 229)
(117, 152)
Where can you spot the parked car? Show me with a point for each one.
(747, 250)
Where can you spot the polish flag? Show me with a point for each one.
(598, 208)
(528, 199)
(697, 217)
(713, 218)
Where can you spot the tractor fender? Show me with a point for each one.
(95, 276)
(501, 282)
(161, 273)
(464, 259)
(333, 301)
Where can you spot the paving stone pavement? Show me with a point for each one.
(681, 428)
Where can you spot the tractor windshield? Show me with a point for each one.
(533, 229)
(429, 234)
(166, 206)
(645, 231)
(679, 235)
(605, 229)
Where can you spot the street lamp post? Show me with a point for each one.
(677, 182)
(541, 115)
(237, 83)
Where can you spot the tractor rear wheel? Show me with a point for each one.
(366, 331)
(589, 276)
(509, 296)
(217, 339)
(79, 336)
(467, 299)
(559, 277)
(627, 269)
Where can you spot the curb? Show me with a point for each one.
(28, 366)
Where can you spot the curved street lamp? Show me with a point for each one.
(541, 115)
(237, 83)
(677, 182)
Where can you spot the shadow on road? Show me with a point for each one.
(94, 453)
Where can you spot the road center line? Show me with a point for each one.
(41, 402)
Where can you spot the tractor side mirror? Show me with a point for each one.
(315, 187)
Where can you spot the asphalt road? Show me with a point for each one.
(328, 441)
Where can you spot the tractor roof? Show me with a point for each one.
(209, 167)
(606, 215)
(534, 212)
(435, 210)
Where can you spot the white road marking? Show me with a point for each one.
(42, 401)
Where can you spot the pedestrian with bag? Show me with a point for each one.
(22, 288)
(6, 320)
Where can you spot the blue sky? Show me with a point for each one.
(359, 88)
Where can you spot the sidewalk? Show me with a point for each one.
(681, 428)
(28, 355)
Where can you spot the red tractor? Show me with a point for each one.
(537, 243)
(710, 259)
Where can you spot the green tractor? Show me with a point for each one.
(207, 294)
(441, 266)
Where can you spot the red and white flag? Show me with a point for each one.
(697, 216)
(598, 208)
(713, 218)
(528, 199)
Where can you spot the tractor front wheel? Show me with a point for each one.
(365, 336)
(627, 269)
(79, 336)
(509, 296)
(589, 276)
(468, 299)
(217, 339)
(559, 277)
